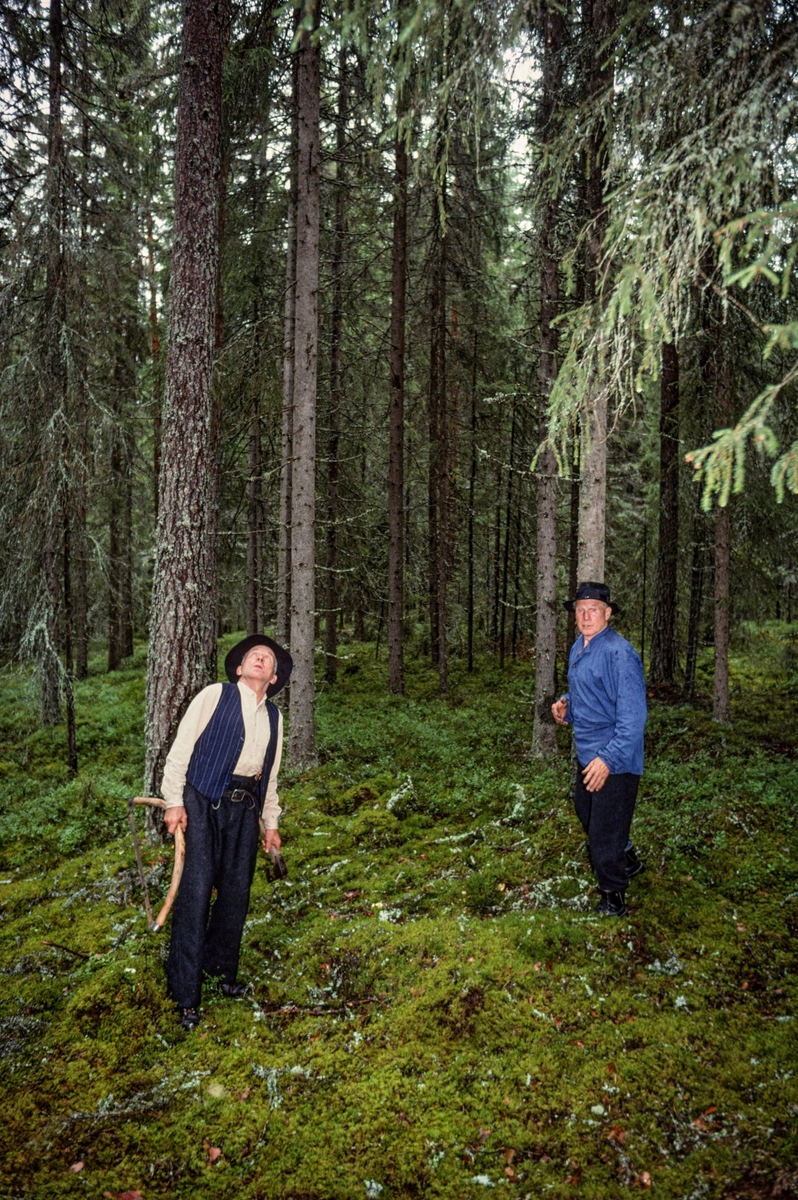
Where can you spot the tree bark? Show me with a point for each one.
(53, 383)
(697, 569)
(396, 422)
(433, 466)
(283, 621)
(543, 728)
(182, 627)
(720, 704)
(593, 454)
(506, 555)
(302, 740)
(254, 521)
(662, 668)
(336, 381)
(472, 478)
(444, 549)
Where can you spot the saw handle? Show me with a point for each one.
(177, 871)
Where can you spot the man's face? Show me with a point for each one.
(258, 667)
(591, 617)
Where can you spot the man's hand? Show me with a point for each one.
(595, 775)
(272, 838)
(559, 710)
(175, 817)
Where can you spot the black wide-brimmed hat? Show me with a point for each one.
(591, 591)
(284, 661)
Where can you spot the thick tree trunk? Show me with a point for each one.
(573, 552)
(302, 740)
(396, 423)
(543, 739)
(182, 627)
(336, 381)
(114, 550)
(663, 636)
(593, 454)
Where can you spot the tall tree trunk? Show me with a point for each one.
(77, 517)
(472, 478)
(283, 625)
(396, 424)
(506, 556)
(720, 705)
(254, 520)
(53, 383)
(543, 729)
(663, 636)
(69, 673)
(593, 455)
(697, 568)
(433, 465)
(182, 628)
(495, 572)
(336, 380)
(573, 549)
(114, 545)
(444, 549)
(155, 350)
(302, 741)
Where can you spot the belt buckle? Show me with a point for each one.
(236, 795)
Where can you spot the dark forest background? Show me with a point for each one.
(552, 256)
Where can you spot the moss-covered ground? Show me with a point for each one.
(434, 1008)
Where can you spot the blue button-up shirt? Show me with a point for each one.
(607, 702)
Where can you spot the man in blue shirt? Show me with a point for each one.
(606, 705)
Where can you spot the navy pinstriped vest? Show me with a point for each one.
(217, 749)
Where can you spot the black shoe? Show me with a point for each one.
(233, 991)
(633, 863)
(612, 904)
(189, 1018)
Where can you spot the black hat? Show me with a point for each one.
(283, 660)
(591, 591)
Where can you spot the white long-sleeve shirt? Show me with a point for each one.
(256, 738)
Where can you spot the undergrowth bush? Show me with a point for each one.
(434, 1009)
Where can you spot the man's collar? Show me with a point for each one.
(246, 691)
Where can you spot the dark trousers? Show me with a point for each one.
(221, 851)
(606, 818)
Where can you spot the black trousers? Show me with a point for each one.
(221, 851)
(606, 818)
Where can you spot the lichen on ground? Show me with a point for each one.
(434, 1009)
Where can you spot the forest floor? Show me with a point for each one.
(435, 1010)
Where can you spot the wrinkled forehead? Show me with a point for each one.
(259, 652)
(591, 606)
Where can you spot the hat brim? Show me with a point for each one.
(284, 664)
(570, 605)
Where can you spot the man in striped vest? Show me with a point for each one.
(220, 778)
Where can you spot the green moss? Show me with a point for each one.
(433, 1002)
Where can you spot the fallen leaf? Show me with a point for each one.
(214, 1153)
(470, 958)
(712, 1108)
(700, 1123)
(545, 1158)
(617, 1134)
(507, 1100)
(509, 1154)
(76, 1167)
(611, 1068)
(549, 967)
(557, 1022)
(123, 1195)
(745, 986)
(581, 1045)
(483, 1134)
(741, 928)
(645, 1179)
(510, 1173)
(536, 967)
(245, 1094)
